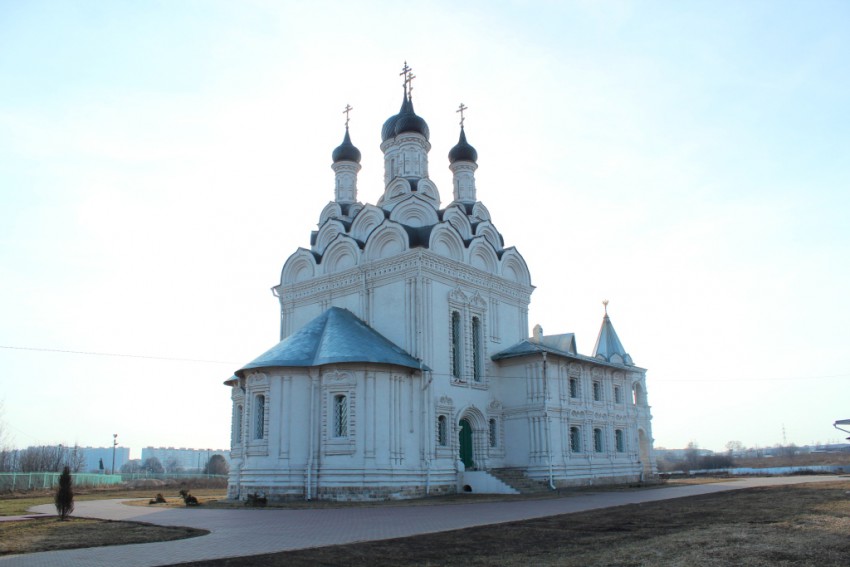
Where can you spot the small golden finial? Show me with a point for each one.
(605, 303)
(348, 109)
(460, 109)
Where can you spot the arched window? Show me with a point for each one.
(476, 349)
(598, 446)
(442, 431)
(457, 352)
(340, 415)
(573, 387)
(494, 440)
(259, 416)
(619, 440)
(597, 391)
(575, 439)
(618, 395)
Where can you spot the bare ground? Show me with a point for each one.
(801, 525)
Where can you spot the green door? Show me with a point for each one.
(466, 444)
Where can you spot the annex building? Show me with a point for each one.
(405, 365)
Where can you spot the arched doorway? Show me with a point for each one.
(465, 437)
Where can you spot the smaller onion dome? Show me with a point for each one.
(463, 151)
(346, 151)
(405, 121)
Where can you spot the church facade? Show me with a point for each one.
(405, 365)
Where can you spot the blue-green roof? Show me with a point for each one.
(335, 336)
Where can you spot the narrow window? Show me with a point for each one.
(476, 349)
(574, 387)
(575, 439)
(493, 439)
(618, 395)
(456, 350)
(260, 417)
(237, 427)
(597, 440)
(340, 416)
(597, 391)
(442, 431)
(618, 438)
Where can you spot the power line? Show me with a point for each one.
(650, 379)
(114, 354)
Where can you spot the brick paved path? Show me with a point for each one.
(237, 532)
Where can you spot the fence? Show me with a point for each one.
(10, 482)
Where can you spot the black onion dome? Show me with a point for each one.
(405, 121)
(346, 151)
(463, 151)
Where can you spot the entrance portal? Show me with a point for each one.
(466, 444)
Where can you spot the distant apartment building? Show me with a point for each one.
(182, 459)
(93, 456)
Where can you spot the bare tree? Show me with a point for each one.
(734, 447)
(76, 459)
(133, 466)
(152, 465)
(217, 465)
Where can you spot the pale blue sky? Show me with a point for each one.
(687, 161)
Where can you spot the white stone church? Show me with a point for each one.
(405, 367)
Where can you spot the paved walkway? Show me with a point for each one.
(238, 532)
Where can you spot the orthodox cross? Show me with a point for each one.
(460, 109)
(348, 109)
(408, 79)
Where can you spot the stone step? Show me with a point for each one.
(516, 479)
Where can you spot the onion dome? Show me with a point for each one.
(346, 151)
(405, 121)
(463, 151)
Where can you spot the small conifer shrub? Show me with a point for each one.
(65, 495)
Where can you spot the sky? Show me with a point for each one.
(687, 161)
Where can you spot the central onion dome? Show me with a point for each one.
(405, 121)
(463, 151)
(346, 151)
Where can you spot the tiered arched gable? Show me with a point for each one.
(387, 240)
(480, 212)
(488, 231)
(327, 234)
(483, 256)
(341, 254)
(414, 211)
(427, 189)
(398, 187)
(454, 214)
(514, 267)
(365, 222)
(331, 211)
(299, 267)
(446, 241)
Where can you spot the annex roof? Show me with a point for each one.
(335, 336)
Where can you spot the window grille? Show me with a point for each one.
(340, 414)
(476, 349)
(575, 439)
(456, 346)
(260, 417)
(597, 440)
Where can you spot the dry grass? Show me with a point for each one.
(18, 504)
(801, 525)
(49, 534)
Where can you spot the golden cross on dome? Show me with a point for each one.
(460, 109)
(348, 109)
(408, 79)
